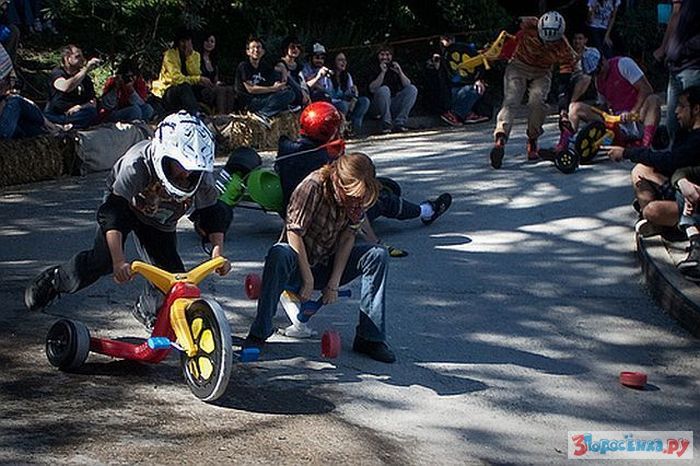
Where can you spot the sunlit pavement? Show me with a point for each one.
(512, 317)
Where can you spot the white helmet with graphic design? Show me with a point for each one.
(181, 151)
(551, 26)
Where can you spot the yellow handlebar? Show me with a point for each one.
(164, 281)
(469, 64)
(611, 119)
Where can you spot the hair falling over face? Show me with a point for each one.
(355, 174)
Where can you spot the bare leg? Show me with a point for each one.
(662, 213)
(642, 178)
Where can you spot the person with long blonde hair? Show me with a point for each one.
(317, 251)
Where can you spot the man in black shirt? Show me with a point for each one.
(393, 94)
(71, 93)
(653, 183)
(259, 89)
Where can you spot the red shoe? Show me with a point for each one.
(473, 118)
(451, 119)
(532, 149)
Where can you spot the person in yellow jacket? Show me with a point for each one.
(180, 82)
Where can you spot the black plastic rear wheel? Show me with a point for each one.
(67, 344)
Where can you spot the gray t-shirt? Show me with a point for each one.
(131, 179)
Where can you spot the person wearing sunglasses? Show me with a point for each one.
(149, 189)
(318, 75)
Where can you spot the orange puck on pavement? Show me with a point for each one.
(330, 344)
(633, 379)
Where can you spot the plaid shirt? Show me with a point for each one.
(533, 52)
(314, 214)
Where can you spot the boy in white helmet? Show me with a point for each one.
(541, 44)
(150, 187)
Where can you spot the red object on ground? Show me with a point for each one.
(252, 284)
(633, 379)
(330, 344)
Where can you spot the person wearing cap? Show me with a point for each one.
(289, 68)
(393, 94)
(260, 89)
(19, 117)
(626, 91)
(317, 75)
(541, 45)
(180, 82)
(72, 97)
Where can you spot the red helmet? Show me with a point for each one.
(320, 121)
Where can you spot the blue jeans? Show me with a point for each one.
(20, 118)
(80, 119)
(358, 113)
(463, 100)
(143, 112)
(281, 271)
(270, 105)
(676, 84)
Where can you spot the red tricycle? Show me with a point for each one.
(188, 322)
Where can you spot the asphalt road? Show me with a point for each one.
(511, 318)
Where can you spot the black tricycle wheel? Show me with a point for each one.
(67, 344)
(567, 161)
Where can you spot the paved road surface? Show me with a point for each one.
(511, 318)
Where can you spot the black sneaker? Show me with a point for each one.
(377, 350)
(690, 266)
(42, 290)
(440, 206)
(499, 149)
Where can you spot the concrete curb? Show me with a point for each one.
(676, 295)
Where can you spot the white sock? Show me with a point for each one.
(426, 210)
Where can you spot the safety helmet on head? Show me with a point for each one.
(181, 150)
(320, 121)
(551, 26)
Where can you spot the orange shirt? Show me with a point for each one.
(532, 51)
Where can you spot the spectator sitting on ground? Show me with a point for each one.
(124, 95)
(317, 75)
(654, 193)
(71, 92)
(457, 94)
(180, 83)
(393, 95)
(626, 91)
(221, 96)
(262, 91)
(289, 69)
(345, 96)
(19, 117)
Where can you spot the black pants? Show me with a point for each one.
(155, 247)
(180, 97)
(390, 205)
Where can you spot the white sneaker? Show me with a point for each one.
(646, 229)
(300, 330)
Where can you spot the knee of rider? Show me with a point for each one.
(379, 255)
(535, 98)
(280, 253)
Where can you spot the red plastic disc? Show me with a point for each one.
(633, 379)
(330, 344)
(252, 284)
